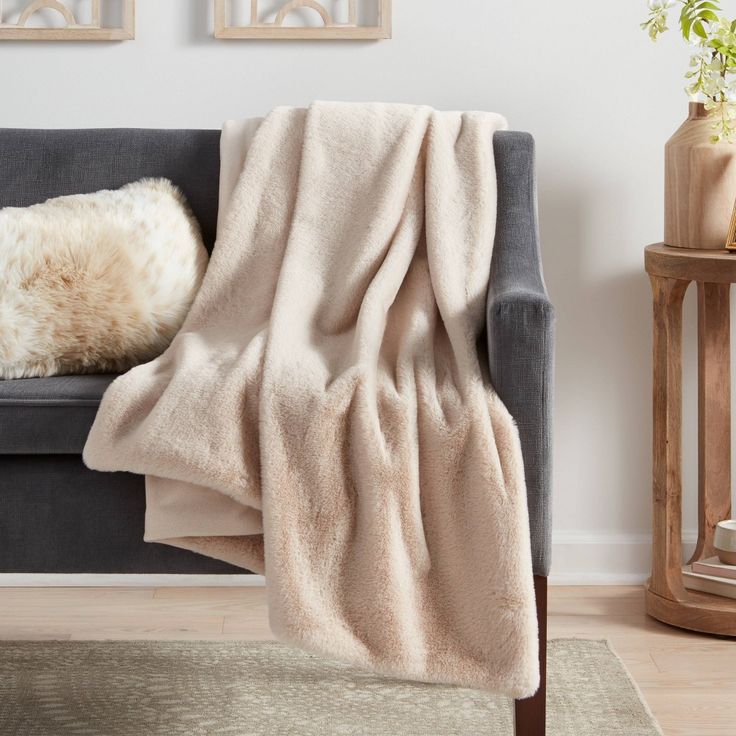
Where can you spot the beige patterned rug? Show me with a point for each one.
(142, 688)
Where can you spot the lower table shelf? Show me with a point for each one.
(710, 614)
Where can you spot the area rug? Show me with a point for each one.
(155, 688)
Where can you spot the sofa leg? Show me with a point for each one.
(530, 715)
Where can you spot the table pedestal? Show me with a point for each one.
(671, 270)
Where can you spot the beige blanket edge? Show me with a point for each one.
(323, 415)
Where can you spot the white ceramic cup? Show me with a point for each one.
(725, 542)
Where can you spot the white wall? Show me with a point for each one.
(580, 75)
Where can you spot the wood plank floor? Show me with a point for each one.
(689, 680)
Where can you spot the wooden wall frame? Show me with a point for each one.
(331, 30)
(73, 31)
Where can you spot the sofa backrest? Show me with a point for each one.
(38, 164)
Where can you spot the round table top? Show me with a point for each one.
(689, 264)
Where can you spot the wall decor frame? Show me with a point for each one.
(73, 30)
(330, 30)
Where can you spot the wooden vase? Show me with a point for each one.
(700, 184)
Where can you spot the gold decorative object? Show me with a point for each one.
(274, 27)
(73, 30)
(731, 237)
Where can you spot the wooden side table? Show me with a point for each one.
(671, 270)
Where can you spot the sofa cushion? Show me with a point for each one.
(49, 415)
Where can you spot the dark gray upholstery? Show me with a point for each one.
(520, 328)
(55, 515)
(58, 516)
(38, 164)
(49, 415)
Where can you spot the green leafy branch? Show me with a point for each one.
(695, 17)
(713, 64)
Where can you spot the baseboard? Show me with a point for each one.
(578, 558)
(584, 558)
(89, 580)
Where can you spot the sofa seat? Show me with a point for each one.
(49, 415)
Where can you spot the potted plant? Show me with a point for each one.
(700, 158)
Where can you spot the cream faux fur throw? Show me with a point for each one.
(324, 415)
(96, 282)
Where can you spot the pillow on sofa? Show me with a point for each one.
(96, 282)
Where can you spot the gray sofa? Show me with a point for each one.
(58, 516)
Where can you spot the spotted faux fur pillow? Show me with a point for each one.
(96, 282)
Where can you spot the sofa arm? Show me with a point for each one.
(520, 329)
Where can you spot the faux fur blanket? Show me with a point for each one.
(324, 415)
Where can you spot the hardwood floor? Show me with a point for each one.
(689, 680)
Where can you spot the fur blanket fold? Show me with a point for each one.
(324, 415)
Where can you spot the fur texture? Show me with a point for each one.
(96, 282)
(324, 414)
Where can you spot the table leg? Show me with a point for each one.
(666, 580)
(714, 413)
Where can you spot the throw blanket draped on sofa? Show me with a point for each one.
(324, 414)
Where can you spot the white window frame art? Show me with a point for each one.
(73, 30)
(330, 30)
